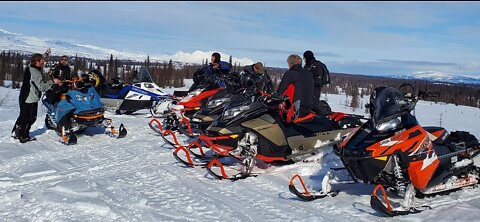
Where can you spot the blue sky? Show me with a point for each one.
(375, 38)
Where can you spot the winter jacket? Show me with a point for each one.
(302, 83)
(224, 68)
(61, 72)
(33, 85)
(215, 73)
(319, 72)
(262, 81)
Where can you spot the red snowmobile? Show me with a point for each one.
(393, 151)
(182, 109)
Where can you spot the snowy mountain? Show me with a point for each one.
(439, 77)
(19, 42)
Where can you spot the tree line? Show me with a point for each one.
(172, 74)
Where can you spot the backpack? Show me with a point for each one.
(322, 80)
(326, 77)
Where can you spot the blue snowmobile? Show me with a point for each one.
(78, 108)
(126, 99)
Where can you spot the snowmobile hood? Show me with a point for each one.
(85, 102)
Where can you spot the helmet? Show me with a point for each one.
(247, 79)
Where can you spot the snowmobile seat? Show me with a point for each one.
(462, 137)
(314, 125)
(441, 150)
(438, 135)
(111, 91)
(180, 93)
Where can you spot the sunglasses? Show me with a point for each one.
(63, 59)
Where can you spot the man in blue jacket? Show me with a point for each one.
(217, 69)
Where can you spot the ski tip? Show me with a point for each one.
(122, 132)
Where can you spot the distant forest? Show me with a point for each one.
(171, 74)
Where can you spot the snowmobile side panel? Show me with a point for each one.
(134, 105)
(269, 130)
(64, 108)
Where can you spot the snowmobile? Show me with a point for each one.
(127, 99)
(213, 108)
(194, 112)
(78, 109)
(252, 130)
(393, 151)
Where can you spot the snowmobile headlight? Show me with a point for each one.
(230, 113)
(81, 98)
(391, 124)
(216, 102)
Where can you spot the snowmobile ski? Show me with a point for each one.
(307, 195)
(378, 206)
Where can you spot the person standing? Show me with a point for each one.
(320, 74)
(34, 83)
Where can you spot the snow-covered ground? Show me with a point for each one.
(137, 178)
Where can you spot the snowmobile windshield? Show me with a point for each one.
(387, 104)
(143, 76)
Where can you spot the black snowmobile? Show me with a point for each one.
(252, 130)
(238, 87)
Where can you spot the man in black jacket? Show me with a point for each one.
(320, 74)
(34, 83)
(62, 70)
(260, 77)
(297, 83)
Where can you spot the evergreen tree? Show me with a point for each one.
(355, 101)
(2, 68)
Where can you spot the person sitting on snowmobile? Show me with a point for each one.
(62, 72)
(212, 73)
(259, 76)
(297, 84)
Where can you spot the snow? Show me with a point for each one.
(137, 179)
(20, 42)
(436, 76)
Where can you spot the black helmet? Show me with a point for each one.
(199, 75)
(386, 102)
(247, 79)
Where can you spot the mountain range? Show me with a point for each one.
(10, 41)
(440, 77)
